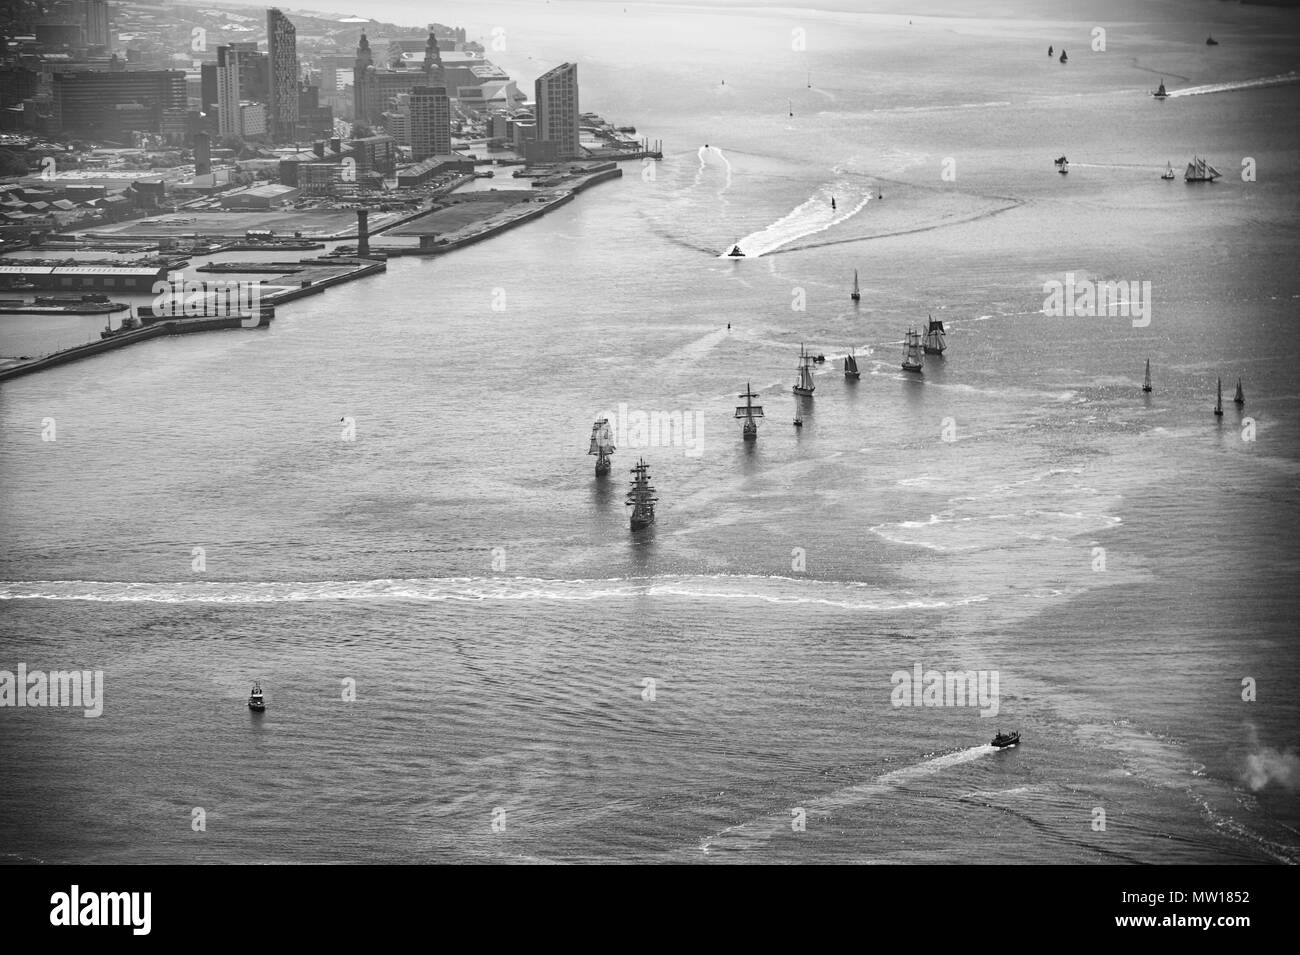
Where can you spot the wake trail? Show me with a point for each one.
(755, 833)
(1279, 80)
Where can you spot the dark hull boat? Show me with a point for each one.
(735, 252)
(1003, 740)
(851, 366)
(256, 701)
(1160, 93)
(641, 497)
(602, 445)
(913, 353)
(749, 413)
(935, 339)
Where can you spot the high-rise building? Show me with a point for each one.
(108, 103)
(557, 110)
(242, 78)
(94, 17)
(282, 58)
(430, 123)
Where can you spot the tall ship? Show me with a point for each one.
(749, 413)
(856, 294)
(1199, 170)
(913, 353)
(935, 341)
(1146, 381)
(804, 386)
(851, 365)
(641, 497)
(602, 445)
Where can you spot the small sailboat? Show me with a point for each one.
(749, 412)
(935, 340)
(810, 79)
(1218, 402)
(1050, 51)
(851, 365)
(602, 445)
(1064, 58)
(798, 414)
(856, 294)
(1146, 381)
(1160, 92)
(1211, 41)
(641, 497)
(913, 355)
(1169, 171)
(1199, 170)
(256, 699)
(791, 102)
(735, 252)
(832, 203)
(804, 385)
(1239, 398)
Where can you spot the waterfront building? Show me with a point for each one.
(282, 61)
(430, 122)
(556, 102)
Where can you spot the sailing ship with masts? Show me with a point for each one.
(749, 413)
(935, 340)
(1199, 170)
(856, 294)
(1146, 381)
(1239, 398)
(913, 353)
(1169, 171)
(641, 497)
(804, 385)
(851, 365)
(602, 445)
(1218, 402)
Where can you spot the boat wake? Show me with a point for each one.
(704, 153)
(1262, 81)
(753, 834)
(846, 595)
(813, 215)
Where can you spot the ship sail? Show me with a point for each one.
(1239, 398)
(641, 497)
(913, 354)
(1146, 381)
(856, 294)
(748, 412)
(935, 340)
(851, 365)
(602, 444)
(1218, 402)
(805, 385)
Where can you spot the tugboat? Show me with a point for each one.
(851, 366)
(804, 386)
(913, 355)
(1239, 398)
(602, 445)
(856, 294)
(1146, 382)
(255, 701)
(935, 342)
(1003, 740)
(641, 498)
(1169, 171)
(1199, 170)
(1218, 402)
(129, 324)
(735, 252)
